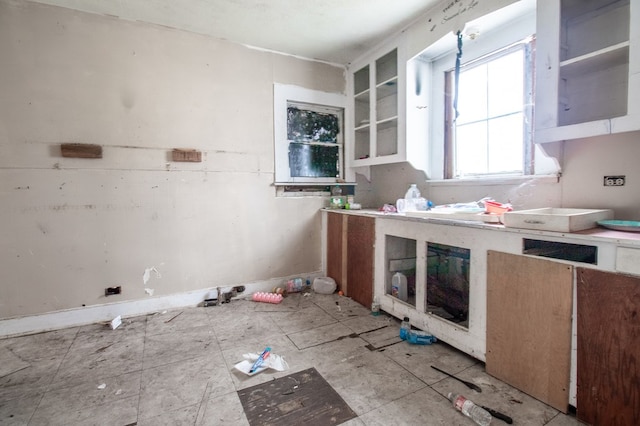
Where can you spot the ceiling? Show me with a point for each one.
(336, 31)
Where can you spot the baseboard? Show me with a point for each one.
(75, 317)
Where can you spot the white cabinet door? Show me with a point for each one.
(377, 86)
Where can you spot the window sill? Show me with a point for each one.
(299, 189)
(495, 180)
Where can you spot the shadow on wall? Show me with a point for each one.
(390, 182)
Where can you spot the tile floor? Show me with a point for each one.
(176, 368)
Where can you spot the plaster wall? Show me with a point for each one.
(72, 227)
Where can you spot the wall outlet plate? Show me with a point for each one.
(614, 180)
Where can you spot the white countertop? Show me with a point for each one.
(630, 239)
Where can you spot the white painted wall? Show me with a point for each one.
(72, 227)
(586, 163)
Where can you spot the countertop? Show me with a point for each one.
(631, 239)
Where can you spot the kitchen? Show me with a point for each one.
(168, 232)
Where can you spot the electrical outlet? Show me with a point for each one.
(614, 180)
(110, 291)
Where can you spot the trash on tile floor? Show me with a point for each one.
(209, 302)
(324, 285)
(419, 337)
(466, 383)
(273, 361)
(174, 317)
(261, 358)
(498, 415)
(102, 386)
(470, 409)
(115, 323)
(294, 285)
(266, 297)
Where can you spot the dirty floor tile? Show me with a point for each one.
(176, 367)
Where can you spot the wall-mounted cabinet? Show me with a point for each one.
(378, 111)
(587, 68)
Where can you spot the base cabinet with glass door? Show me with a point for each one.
(442, 267)
(587, 69)
(378, 110)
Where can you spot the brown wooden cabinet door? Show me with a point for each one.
(360, 253)
(608, 368)
(529, 303)
(335, 248)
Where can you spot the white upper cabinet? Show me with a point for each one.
(377, 85)
(587, 68)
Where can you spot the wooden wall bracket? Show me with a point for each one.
(81, 150)
(186, 155)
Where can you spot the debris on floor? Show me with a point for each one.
(266, 297)
(115, 323)
(304, 397)
(174, 317)
(273, 361)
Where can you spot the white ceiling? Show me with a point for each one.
(336, 31)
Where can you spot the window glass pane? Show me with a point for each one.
(472, 94)
(307, 160)
(471, 149)
(310, 125)
(505, 84)
(505, 144)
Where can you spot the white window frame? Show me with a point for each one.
(526, 166)
(283, 95)
(488, 41)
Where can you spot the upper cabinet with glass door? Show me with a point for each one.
(588, 68)
(378, 93)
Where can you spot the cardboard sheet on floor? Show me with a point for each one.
(9, 363)
(303, 398)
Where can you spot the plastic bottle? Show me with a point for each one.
(294, 285)
(399, 286)
(337, 201)
(405, 328)
(419, 337)
(469, 409)
(375, 307)
(412, 193)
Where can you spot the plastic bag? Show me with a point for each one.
(324, 285)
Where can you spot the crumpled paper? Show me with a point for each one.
(273, 361)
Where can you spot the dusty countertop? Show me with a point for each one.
(622, 238)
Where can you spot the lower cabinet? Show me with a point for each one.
(529, 304)
(608, 364)
(350, 252)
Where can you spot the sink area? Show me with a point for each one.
(556, 219)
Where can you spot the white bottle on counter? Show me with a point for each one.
(412, 193)
(399, 286)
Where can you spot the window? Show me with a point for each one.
(490, 132)
(315, 140)
(309, 136)
(487, 41)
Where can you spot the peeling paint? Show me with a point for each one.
(147, 274)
